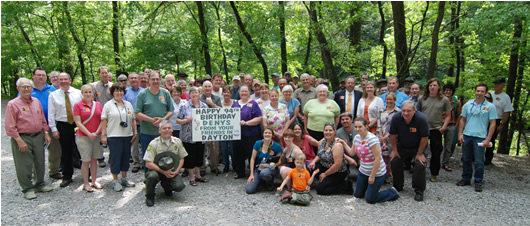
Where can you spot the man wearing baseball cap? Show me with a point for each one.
(503, 104)
(235, 87)
(275, 78)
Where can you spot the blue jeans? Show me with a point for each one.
(120, 153)
(228, 150)
(470, 148)
(261, 176)
(371, 191)
(145, 139)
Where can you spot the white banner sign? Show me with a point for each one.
(216, 124)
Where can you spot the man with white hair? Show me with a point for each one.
(170, 81)
(26, 125)
(211, 148)
(306, 92)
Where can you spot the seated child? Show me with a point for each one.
(299, 177)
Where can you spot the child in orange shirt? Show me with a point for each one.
(301, 181)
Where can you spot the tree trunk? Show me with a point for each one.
(34, 52)
(204, 39)
(435, 33)
(240, 55)
(329, 70)
(521, 122)
(116, 36)
(62, 44)
(459, 44)
(177, 61)
(382, 38)
(221, 41)
(355, 34)
(283, 41)
(308, 49)
(451, 69)
(504, 141)
(251, 42)
(400, 39)
(78, 43)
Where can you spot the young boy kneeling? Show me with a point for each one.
(300, 182)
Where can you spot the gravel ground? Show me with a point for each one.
(222, 201)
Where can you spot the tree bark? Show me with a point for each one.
(382, 38)
(451, 69)
(308, 49)
(34, 52)
(283, 41)
(221, 41)
(204, 39)
(240, 54)
(459, 43)
(355, 33)
(435, 34)
(116, 36)
(62, 43)
(400, 39)
(251, 42)
(329, 70)
(504, 141)
(78, 43)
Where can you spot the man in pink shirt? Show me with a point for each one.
(26, 125)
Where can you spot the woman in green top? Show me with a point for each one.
(320, 111)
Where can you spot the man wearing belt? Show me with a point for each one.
(26, 125)
(41, 91)
(409, 132)
(503, 103)
(477, 125)
(61, 119)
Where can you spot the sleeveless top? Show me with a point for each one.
(307, 149)
(326, 156)
(289, 160)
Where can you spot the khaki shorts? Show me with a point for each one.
(89, 149)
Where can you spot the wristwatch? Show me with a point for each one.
(421, 153)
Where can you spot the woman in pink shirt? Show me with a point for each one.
(87, 117)
(304, 142)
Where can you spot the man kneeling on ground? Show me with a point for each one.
(160, 158)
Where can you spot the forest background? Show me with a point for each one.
(460, 42)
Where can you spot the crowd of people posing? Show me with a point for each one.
(311, 138)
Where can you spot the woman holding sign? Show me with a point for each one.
(250, 129)
(194, 160)
(227, 147)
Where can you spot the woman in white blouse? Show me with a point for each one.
(369, 106)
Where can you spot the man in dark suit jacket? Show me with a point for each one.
(341, 97)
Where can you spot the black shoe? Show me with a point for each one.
(185, 173)
(418, 196)
(348, 189)
(168, 192)
(135, 169)
(56, 176)
(463, 183)
(65, 183)
(203, 173)
(150, 202)
(226, 169)
(478, 187)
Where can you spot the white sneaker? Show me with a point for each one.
(117, 186)
(126, 183)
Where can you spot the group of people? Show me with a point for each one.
(303, 133)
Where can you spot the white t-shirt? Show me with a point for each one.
(502, 103)
(112, 112)
(362, 148)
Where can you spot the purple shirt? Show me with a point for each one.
(249, 111)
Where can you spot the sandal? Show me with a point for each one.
(447, 168)
(88, 189)
(201, 179)
(96, 185)
(193, 183)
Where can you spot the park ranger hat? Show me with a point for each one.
(167, 160)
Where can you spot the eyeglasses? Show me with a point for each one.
(123, 80)
(25, 87)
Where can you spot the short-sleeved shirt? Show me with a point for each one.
(114, 114)
(400, 98)
(158, 146)
(348, 137)
(176, 111)
(82, 109)
(131, 94)
(320, 114)
(277, 118)
(366, 156)
(299, 179)
(185, 112)
(42, 96)
(433, 108)
(409, 135)
(501, 101)
(274, 150)
(477, 118)
(305, 95)
(325, 153)
(102, 92)
(248, 112)
(293, 103)
(235, 93)
(263, 103)
(24, 116)
(153, 106)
